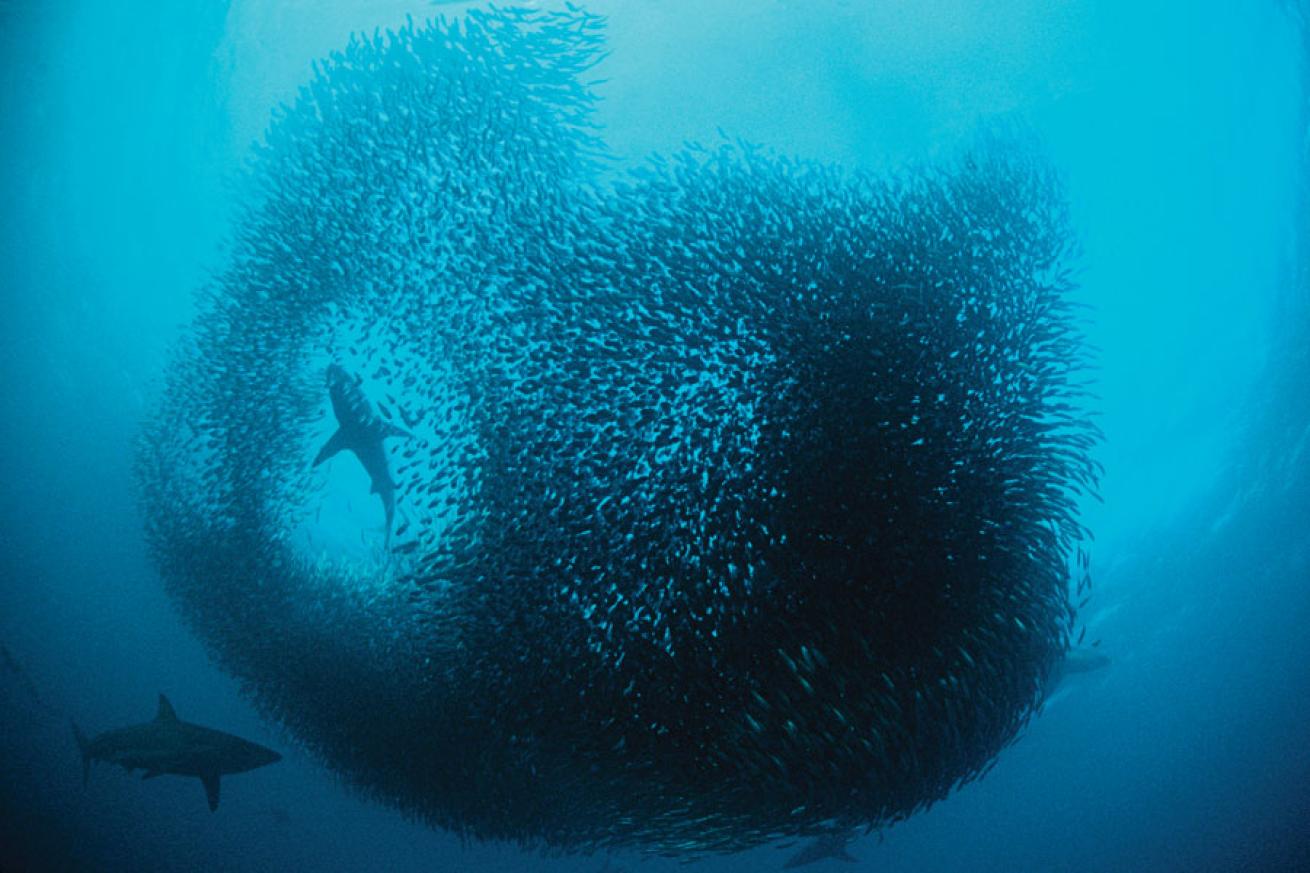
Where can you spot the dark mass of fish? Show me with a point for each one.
(739, 494)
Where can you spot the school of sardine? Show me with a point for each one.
(737, 493)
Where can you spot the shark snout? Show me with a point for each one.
(253, 756)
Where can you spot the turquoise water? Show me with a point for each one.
(1181, 132)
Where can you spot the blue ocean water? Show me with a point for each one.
(1182, 131)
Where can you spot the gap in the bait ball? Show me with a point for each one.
(341, 521)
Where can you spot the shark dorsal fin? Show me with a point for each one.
(166, 712)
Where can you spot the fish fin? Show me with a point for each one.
(83, 746)
(210, 781)
(392, 430)
(165, 712)
(151, 774)
(336, 443)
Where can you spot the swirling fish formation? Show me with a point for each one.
(740, 493)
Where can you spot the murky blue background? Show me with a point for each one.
(1182, 129)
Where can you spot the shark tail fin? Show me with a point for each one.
(83, 746)
(335, 444)
(389, 509)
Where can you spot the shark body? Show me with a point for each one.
(1083, 661)
(168, 745)
(361, 431)
(830, 846)
(1075, 661)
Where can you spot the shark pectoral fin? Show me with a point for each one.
(211, 789)
(331, 447)
(83, 746)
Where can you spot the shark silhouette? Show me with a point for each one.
(1075, 661)
(170, 745)
(361, 430)
(823, 848)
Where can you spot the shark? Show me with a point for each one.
(1075, 661)
(1083, 661)
(827, 847)
(361, 430)
(168, 745)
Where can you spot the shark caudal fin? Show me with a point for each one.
(331, 447)
(389, 510)
(83, 746)
(210, 781)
